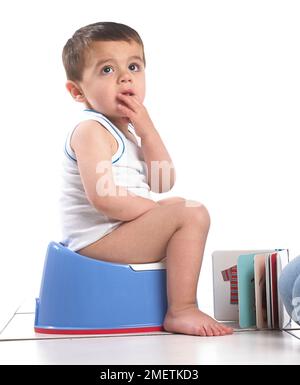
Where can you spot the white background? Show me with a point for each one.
(223, 88)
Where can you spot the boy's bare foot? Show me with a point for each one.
(193, 321)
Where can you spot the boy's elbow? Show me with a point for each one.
(112, 207)
(102, 204)
(102, 200)
(97, 202)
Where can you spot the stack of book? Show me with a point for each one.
(245, 285)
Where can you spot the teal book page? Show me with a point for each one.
(246, 289)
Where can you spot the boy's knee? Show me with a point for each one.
(201, 215)
(194, 212)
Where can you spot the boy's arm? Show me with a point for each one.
(161, 171)
(92, 146)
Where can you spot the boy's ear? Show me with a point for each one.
(75, 91)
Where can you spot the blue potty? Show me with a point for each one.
(81, 295)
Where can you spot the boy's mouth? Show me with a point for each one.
(128, 93)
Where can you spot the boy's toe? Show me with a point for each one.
(220, 330)
(201, 331)
(209, 331)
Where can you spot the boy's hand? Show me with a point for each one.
(135, 111)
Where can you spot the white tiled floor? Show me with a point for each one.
(240, 348)
(18, 345)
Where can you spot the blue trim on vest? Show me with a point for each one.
(111, 125)
(66, 152)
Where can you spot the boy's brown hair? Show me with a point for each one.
(74, 52)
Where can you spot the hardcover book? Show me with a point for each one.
(245, 286)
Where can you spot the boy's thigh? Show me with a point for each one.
(171, 201)
(142, 240)
(182, 201)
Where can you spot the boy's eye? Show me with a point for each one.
(107, 70)
(134, 67)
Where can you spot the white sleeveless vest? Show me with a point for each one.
(82, 224)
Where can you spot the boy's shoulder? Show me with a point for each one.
(88, 132)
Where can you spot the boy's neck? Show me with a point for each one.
(121, 123)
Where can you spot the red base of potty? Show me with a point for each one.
(101, 331)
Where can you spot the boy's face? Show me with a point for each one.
(112, 67)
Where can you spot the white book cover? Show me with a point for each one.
(282, 261)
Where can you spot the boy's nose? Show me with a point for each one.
(125, 77)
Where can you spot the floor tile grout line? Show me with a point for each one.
(24, 312)
(291, 334)
(11, 318)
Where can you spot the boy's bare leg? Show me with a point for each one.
(177, 319)
(179, 232)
